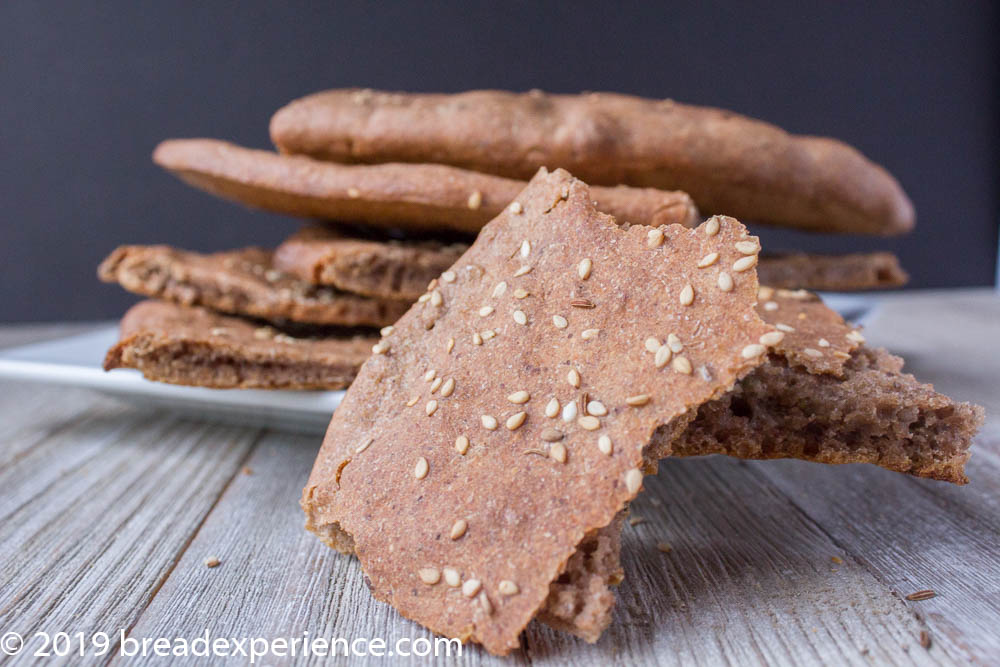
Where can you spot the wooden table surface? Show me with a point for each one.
(108, 513)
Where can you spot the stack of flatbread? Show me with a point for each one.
(527, 346)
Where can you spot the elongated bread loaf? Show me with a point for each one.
(729, 163)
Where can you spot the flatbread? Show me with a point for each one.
(241, 282)
(194, 346)
(381, 268)
(728, 163)
(834, 273)
(556, 302)
(407, 196)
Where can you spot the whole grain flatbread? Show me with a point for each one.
(383, 268)
(407, 196)
(241, 282)
(728, 163)
(844, 273)
(548, 313)
(194, 346)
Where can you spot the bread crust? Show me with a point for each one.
(832, 273)
(728, 163)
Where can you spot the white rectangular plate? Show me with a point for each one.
(76, 361)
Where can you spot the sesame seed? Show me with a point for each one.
(557, 452)
(432, 284)
(812, 353)
(725, 282)
(484, 602)
(516, 207)
(380, 347)
(654, 238)
(764, 293)
(515, 420)
(413, 401)
(674, 343)
(436, 299)
(747, 247)
(520, 317)
(559, 321)
(435, 384)
(522, 271)
(477, 339)
(785, 328)
(596, 408)
(583, 269)
(681, 365)
(662, 356)
(652, 345)
(708, 260)
(448, 276)
(485, 311)
(429, 575)
(507, 587)
(475, 199)
(604, 444)
(753, 351)
(430, 375)
(552, 435)
(711, 226)
(385, 331)
(569, 411)
(488, 334)
(856, 337)
(772, 338)
(448, 387)
(822, 342)
(552, 408)
(451, 577)
(521, 293)
(573, 377)
(489, 422)
(587, 334)
(770, 306)
(421, 469)
(364, 445)
(500, 288)
(589, 423)
(461, 444)
(471, 587)
(633, 480)
(687, 295)
(353, 193)
(458, 529)
(638, 400)
(582, 303)
(424, 297)
(745, 263)
(704, 373)
(519, 397)
(525, 248)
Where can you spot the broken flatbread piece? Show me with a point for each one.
(241, 282)
(506, 419)
(823, 395)
(389, 268)
(194, 346)
(727, 162)
(407, 196)
(844, 273)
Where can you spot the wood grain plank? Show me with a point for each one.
(93, 517)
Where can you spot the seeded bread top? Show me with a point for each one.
(407, 196)
(506, 415)
(727, 162)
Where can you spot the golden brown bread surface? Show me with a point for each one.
(384, 268)
(556, 302)
(193, 346)
(409, 196)
(845, 273)
(241, 282)
(728, 163)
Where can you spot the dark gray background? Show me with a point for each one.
(89, 89)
